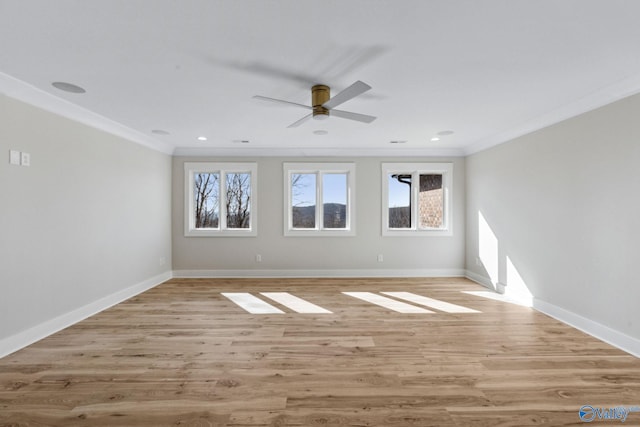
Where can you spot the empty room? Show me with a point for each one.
(301, 213)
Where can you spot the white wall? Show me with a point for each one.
(89, 221)
(318, 255)
(83, 226)
(563, 205)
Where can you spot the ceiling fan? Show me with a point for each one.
(323, 106)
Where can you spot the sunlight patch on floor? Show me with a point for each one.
(430, 302)
(499, 297)
(385, 302)
(294, 303)
(252, 304)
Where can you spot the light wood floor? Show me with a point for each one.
(183, 355)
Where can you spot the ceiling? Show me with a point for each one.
(486, 70)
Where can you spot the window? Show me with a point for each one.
(416, 199)
(319, 199)
(219, 199)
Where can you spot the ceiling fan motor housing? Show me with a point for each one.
(319, 95)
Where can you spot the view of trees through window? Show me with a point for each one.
(304, 206)
(430, 201)
(207, 200)
(236, 199)
(318, 199)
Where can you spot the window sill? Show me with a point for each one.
(220, 233)
(319, 233)
(417, 233)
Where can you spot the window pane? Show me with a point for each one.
(399, 201)
(207, 200)
(334, 200)
(303, 200)
(431, 201)
(238, 200)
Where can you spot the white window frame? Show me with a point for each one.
(320, 169)
(223, 168)
(417, 169)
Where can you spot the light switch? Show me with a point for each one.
(14, 157)
(25, 159)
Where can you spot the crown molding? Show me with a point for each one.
(611, 93)
(315, 152)
(32, 95)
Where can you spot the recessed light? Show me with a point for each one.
(445, 132)
(320, 132)
(160, 132)
(202, 138)
(68, 87)
(397, 141)
(240, 141)
(435, 138)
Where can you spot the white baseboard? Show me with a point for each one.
(22, 339)
(318, 273)
(604, 333)
(481, 280)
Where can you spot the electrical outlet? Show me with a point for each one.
(258, 258)
(380, 258)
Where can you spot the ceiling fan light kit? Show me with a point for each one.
(322, 105)
(320, 94)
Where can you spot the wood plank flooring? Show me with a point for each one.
(182, 354)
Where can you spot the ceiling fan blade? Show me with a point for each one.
(352, 116)
(266, 69)
(281, 101)
(351, 92)
(301, 121)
